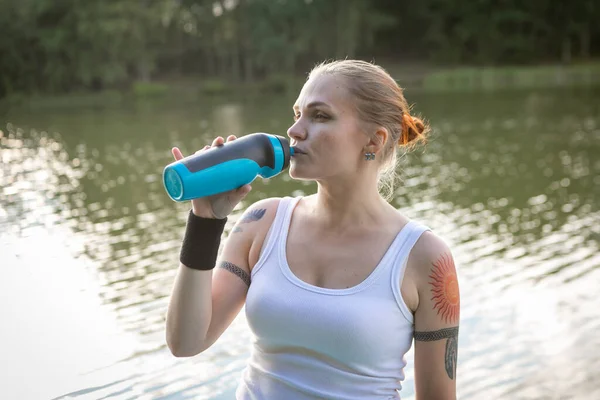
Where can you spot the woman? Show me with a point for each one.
(336, 284)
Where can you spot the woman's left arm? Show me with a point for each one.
(436, 320)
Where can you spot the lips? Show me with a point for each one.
(298, 151)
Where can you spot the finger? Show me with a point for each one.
(230, 138)
(238, 195)
(218, 141)
(176, 153)
(204, 148)
(243, 191)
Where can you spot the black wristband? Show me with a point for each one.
(201, 242)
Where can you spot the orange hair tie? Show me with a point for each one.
(407, 122)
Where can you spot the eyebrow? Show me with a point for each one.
(313, 104)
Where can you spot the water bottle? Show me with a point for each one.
(227, 167)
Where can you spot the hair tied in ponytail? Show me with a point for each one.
(408, 125)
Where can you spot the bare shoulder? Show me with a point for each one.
(254, 224)
(260, 211)
(428, 248)
(430, 259)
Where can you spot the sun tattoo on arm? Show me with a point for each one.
(444, 288)
(446, 301)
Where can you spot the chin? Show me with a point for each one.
(300, 175)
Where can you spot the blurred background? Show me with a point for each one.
(93, 95)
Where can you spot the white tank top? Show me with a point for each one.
(317, 343)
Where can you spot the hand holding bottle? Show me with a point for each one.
(219, 205)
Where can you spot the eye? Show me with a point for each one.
(320, 116)
(296, 116)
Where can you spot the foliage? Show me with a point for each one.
(70, 45)
(497, 78)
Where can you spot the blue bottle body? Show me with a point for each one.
(223, 168)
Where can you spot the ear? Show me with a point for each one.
(378, 140)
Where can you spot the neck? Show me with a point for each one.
(348, 203)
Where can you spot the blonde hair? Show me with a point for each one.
(379, 101)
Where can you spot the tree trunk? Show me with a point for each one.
(143, 64)
(348, 27)
(248, 57)
(209, 60)
(353, 29)
(584, 42)
(143, 70)
(248, 69)
(235, 57)
(220, 57)
(342, 8)
(566, 54)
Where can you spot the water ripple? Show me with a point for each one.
(516, 198)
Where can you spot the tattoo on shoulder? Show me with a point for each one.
(451, 355)
(234, 269)
(251, 216)
(444, 289)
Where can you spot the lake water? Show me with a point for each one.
(89, 242)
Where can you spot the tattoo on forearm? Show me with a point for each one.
(444, 289)
(234, 269)
(251, 216)
(451, 355)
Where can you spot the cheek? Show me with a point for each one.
(332, 142)
(339, 149)
(332, 150)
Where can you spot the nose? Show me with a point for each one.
(297, 131)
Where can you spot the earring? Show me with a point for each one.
(369, 156)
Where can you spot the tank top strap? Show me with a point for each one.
(411, 234)
(282, 217)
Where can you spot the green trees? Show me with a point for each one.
(64, 45)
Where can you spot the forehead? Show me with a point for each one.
(326, 89)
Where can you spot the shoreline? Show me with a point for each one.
(414, 77)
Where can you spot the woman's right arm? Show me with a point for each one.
(204, 303)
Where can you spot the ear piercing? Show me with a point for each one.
(369, 156)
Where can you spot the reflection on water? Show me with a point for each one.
(89, 243)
